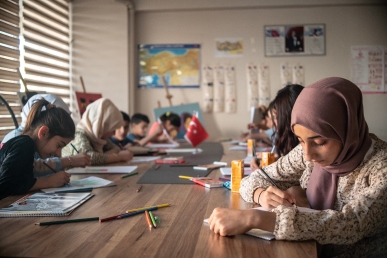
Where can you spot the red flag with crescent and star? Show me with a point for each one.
(195, 133)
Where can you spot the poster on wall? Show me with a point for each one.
(368, 68)
(179, 64)
(294, 40)
(229, 47)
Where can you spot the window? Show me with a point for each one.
(43, 43)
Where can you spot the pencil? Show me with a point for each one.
(148, 220)
(269, 178)
(157, 167)
(66, 221)
(152, 219)
(131, 174)
(125, 215)
(186, 177)
(224, 179)
(149, 207)
(122, 147)
(53, 170)
(139, 189)
(74, 148)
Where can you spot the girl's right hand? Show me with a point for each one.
(58, 179)
(125, 155)
(272, 197)
(80, 160)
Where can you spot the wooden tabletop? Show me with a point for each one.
(181, 232)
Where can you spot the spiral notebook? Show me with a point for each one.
(44, 204)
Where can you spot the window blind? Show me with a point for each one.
(9, 62)
(43, 49)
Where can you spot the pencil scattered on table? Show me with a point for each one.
(74, 148)
(186, 177)
(152, 219)
(128, 175)
(139, 189)
(149, 207)
(125, 215)
(66, 221)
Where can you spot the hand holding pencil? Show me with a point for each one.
(272, 197)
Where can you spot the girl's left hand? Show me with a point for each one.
(228, 222)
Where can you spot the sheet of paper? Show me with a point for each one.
(188, 150)
(163, 145)
(103, 170)
(88, 182)
(141, 159)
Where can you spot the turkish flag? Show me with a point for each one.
(195, 133)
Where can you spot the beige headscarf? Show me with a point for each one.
(333, 108)
(100, 117)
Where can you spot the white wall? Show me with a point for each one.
(174, 22)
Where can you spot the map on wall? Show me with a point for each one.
(179, 64)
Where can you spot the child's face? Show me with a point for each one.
(140, 129)
(169, 127)
(48, 148)
(121, 133)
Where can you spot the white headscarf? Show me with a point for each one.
(53, 99)
(100, 117)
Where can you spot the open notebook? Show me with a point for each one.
(44, 204)
(265, 234)
(87, 183)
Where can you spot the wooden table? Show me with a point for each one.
(180, 234)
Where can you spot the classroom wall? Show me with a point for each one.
(347, 23)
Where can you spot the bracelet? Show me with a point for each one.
(260, 196)
(70, 161)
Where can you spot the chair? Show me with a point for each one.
(3, 102)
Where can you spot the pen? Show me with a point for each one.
(152, 219)
(131, 174)
(148, 220)
(186, 177)
(74, 148)
(66, 221)
(149, 207)
(267, 176)
(53, 170)
(139, 189)
(125, 215)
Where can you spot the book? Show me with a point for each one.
(84, 183)
(45, 204)
(256, 232)
(209, 166)
(207, 182)
(226, 171)
(171, 160)
(102, 170)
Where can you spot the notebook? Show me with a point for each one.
(84, 183)
(102, 170)
(44, 204)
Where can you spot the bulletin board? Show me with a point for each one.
(294, 40)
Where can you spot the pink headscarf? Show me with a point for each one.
(333, 108)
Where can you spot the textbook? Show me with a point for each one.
(171, 160)
(102, 170)
(45, 204)
(207, 182)
(209, 166)
(81, 184)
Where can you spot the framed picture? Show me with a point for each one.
(294, 40)
(178, 64)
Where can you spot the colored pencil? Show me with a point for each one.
(224, 179)
(66, 221)
(74, 148)
(131, 174)
(125, 215)
(148, 220)
(53, 170)
(152, 219)
(149, 207)
(186, 177)
(157, 167)
(139, 189)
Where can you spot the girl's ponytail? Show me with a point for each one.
(58, 121)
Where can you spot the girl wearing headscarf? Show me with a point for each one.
(341, 170)
(57, 163)
(97, 125)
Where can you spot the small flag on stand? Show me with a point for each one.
(195, 133)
